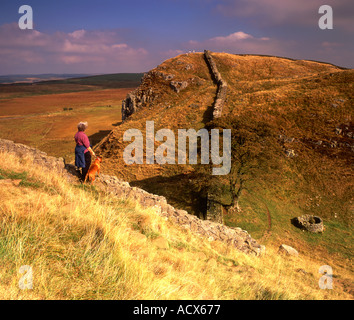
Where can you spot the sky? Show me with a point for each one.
(114, 36)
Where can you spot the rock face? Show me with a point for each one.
(129, 106)
(235, 237)
(178, 85)
(39, 157)
(308, 222)
(135, 100)
(144, 95)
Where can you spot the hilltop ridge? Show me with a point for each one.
(294, 96)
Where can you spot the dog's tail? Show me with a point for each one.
(87, 177)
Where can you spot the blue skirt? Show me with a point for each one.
(80, 156)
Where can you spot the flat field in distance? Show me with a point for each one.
(44, 115)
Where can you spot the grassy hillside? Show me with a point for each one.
(84, 244)
(274, 106)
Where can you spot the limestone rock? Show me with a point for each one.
(35, 155)
(177, 86)
(290, 251)
(163, 75)
(140, 97)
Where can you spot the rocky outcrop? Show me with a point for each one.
(221, 83)
(39, 157)
(136, 100)
(177, 86)
(287, 250)
(235, 237)
(144, 95)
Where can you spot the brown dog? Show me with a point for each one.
(94, 167)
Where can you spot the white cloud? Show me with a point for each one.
(240, 42)
(78, 34)
(79, 51)
(240, 35)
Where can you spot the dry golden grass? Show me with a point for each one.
(56, 102)
(83, 244)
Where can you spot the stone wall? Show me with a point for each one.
(39, 157)
(214, 208)
(221, 83)
(236, 237)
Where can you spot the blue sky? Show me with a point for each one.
(106, 36)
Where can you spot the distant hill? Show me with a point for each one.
(30, 78)
(115, 80)
(30, 85)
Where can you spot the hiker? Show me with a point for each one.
(83, 150)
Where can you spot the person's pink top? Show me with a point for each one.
(82, 139)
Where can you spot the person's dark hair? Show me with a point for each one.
(82, 126)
